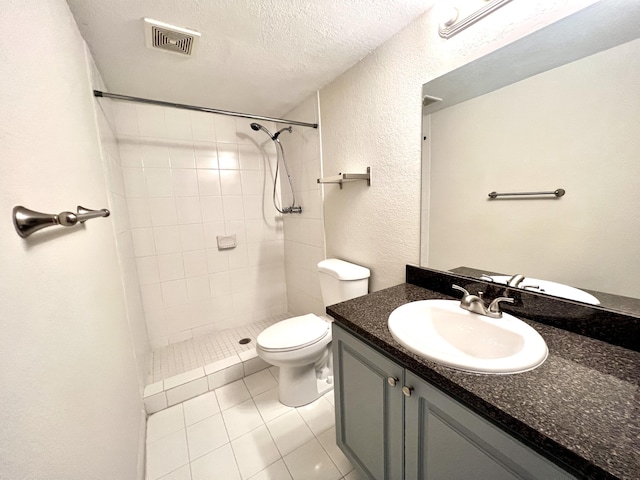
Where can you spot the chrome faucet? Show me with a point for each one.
(515, 280)
(475, 303)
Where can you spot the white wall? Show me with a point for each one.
(535, 135)
(371, 116)
(304, 233)
(71, 404)
(189, 177)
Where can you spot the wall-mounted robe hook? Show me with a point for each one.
(28, 221)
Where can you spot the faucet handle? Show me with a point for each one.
(456, 287)
(494, 307)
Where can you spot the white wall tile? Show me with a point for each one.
(151, 297)
(148, 270)
(211, 232)
(125, 118)
(170, 267)
(192, 237)
(203, 126)
(212, 210)
(155, 153)
(220, 284)
(249, 157)
(159, 182)
(130, 152)
(188, 210)
(182, 155)
(178, 124)
(206, 155)
(151, 121)
(134, 182)
(253, 182)
(198, 288)
(163, 211)
(238, 257)
(230, 182)
(225, 129)
(209, 182)
(139, 212)
(185, 182)
(174, 293)
(217, 261)
(195, 263)
(228, 156)
(236, 227)
(167, 239)
(143, 242)
(233, 207)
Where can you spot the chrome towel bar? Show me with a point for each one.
(557, 193)
(28, 221)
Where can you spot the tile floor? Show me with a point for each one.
(241, 431)
(197, 352)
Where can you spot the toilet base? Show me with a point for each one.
(299, 386)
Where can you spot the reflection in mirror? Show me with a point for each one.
(559, 108)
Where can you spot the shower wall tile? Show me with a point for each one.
(188, 177)
(304, 234)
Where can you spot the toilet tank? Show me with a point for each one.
(341, 281)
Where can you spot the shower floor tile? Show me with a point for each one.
(198, 352)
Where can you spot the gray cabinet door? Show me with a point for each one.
(369, 411)
(445, 440)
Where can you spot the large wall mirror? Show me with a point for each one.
(558, 109)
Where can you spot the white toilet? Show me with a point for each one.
(301, 346)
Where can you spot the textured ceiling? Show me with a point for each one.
(260, 57)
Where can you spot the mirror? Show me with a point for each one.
(558, 109)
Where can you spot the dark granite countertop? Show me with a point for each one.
(580, 408)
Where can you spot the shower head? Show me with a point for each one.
(274, 137)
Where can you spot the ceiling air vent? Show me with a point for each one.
(169, 37)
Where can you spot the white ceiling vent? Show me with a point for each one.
(169, 37)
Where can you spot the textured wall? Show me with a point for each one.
(304, 233)
(371, 116)
(70, 398)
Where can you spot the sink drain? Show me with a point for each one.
(244, 341)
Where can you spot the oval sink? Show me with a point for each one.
(441, 331)
(550, 288)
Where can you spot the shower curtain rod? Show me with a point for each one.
(98, 93)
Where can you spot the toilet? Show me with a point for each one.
(301, 346)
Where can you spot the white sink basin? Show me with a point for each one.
(551, 288)
(441, 331)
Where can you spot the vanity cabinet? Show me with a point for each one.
(393, 425)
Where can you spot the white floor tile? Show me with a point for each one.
(260, 382)
(165, 423)
(183, 473)
(254, 451)
(200, 408)
(166, 455)
(328, 442)
(275, 371)
(232, 394)
(289, 432)
(217, 465)
(206, 435)
(311, 462)
(319, 415)
(277, 471)
(355, 475)
(242, 419)
(269, 406)
(330, 397)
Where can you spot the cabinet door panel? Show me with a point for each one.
(369, 411)
(445, 440)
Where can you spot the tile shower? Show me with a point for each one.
(184, 178)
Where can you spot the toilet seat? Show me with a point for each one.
(293, 333)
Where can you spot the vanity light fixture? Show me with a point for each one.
(450, 24)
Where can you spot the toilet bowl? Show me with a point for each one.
(301, 346)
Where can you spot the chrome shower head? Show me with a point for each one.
(256, 126)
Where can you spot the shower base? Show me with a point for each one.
(187, 369)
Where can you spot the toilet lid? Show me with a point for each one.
(292, 333)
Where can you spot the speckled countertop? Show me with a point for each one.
(581, 407)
